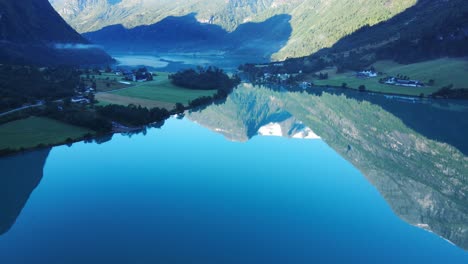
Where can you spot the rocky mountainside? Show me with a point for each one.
(31, 31)
(315, 23)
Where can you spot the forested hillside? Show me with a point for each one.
(30, 31)
(429, 30)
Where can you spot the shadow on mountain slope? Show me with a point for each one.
(187, 34)
(29, 31)
(429, 29)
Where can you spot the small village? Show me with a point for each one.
(85, 93)
(271, 74)
(390, 80)
(139, 75)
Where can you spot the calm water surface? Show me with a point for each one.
(186, 194)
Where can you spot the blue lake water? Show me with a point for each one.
(185, 194)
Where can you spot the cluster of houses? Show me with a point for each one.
(82, 96)
(390, 80)
(402, 82)
(278, 64)
(140, 75)
(280, 78)
(367, 74)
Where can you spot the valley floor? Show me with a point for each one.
(159, 92)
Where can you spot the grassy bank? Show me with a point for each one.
(33, 131)
(157, 93)
(444, 72)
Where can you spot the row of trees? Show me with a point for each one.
(449, 92)
(78, 116)
(133, 115)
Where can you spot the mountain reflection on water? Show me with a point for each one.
(17, 182)
(421, 173)
(410, 151)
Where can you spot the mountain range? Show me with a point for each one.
(31, 32)
(315, 24)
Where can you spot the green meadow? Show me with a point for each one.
(157, 93)
(444, 72)
(33, 131)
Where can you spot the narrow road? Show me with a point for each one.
(20, 109)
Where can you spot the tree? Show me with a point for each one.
(180, 108)
(344, 85)
(362, 88)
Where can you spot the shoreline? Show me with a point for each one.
(70, 141)
(387, 94)
(122, 129)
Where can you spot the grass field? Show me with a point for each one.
(444, 72)
(106, 82)
(110, 98)
(32, 131)
(157, 93)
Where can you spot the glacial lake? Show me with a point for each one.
(265, 177)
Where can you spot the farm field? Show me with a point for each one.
(106, 81)
(157, 93)
(32, 131)
(444, 72)
(110, 98)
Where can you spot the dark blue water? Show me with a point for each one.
(183, 194)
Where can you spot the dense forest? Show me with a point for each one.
(210, 78)
(21, 85)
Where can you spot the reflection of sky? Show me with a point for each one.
(183, 194)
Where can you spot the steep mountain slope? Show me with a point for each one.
(431, 28)
(316, 23)
(30, 31)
